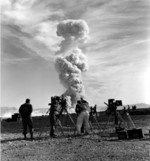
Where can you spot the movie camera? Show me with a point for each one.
(58, 104)
(112, 105)
(56, 100)
(58, 107)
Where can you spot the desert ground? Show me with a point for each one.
(93, 147)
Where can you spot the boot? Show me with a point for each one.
(82, 129)
(25, 137)
(32, 138)
(52, 134)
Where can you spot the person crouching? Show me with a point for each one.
(82, 109)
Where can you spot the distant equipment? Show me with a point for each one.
(130, 134)
(15, 117)
(122, 133)
(135, 133)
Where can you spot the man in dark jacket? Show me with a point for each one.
(53, 120)
(25, 111)
(54, 113)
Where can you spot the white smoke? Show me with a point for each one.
(73, 32)
(71, 66)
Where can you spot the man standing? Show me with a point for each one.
(53, 120)
(83, 116)
(25, 111)
(54, 114)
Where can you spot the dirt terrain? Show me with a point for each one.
(91, 147)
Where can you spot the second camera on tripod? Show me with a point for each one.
(112, 105)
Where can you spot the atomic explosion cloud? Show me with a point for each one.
(74, 32)
(74, 63)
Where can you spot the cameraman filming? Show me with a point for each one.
(54, 114)
(82, 109)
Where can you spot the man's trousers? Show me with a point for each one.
(27, 122)
(83, 118)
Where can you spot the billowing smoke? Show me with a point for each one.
(74, 62)
(74, 32)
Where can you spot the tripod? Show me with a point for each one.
(58, 121)
(111, 116)
(119, 117)
(93, 116)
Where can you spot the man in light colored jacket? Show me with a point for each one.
(82, 108)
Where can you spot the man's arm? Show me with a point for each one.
(31, 109)
(20, 110)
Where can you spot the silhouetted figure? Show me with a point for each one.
(25, 111)
(124, 108)
(134, 107)
(53, 120)
(54, 114)
(128, 108)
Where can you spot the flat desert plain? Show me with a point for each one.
(93, 147)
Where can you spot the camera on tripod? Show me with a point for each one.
(112, 105)
(58, 105)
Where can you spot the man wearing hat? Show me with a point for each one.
(25, 111)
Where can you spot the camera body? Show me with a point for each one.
(56, 100)
(58, 105)
(112, 105)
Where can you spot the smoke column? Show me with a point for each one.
(70, 66)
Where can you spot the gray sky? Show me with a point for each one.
(118, 50)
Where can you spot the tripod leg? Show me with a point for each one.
(132, 123)
(91, 126)
(107, 123)
(71, 120)
(41, 132)
(120, 117)
(59, 123)
(96, 121)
